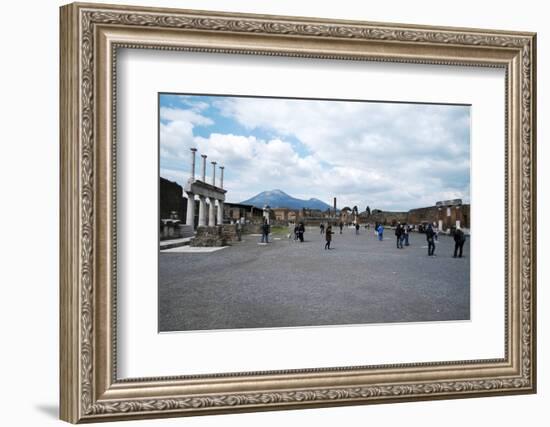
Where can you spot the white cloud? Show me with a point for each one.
(181, 115)
(391, 156)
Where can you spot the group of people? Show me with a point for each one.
(458, 236)
(402, 234)
(299, 230)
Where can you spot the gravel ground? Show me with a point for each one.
(287, 283)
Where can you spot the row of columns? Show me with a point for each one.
(215, 213)
(215, 210)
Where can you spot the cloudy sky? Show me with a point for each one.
(388, 156)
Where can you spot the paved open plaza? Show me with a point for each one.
(288, 283)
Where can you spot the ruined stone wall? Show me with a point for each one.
(449, 215)
(387, 218)
(171, 199)
(219, 235)
(209, 236)
(421, 215)
(418, 216)
(316, 221)
(465, 216)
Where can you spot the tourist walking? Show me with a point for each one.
(380, 232)
(399, 235)
(430, 237)
(328, 237)
(265, 232)
(341, 226)
(301, 231)
(460, 238)
(406, 231)
(322, 228)
(357, 228)
(296, 228)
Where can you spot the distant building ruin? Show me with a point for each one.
(446, 215)
(238, 212)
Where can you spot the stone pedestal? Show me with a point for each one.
(219, 235)
(209, 237)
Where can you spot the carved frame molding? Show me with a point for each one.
(90, 36)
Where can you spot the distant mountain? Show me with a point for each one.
(279, 199)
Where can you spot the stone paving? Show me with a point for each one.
(287, 283)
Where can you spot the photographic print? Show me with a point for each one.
(279, 188)
(283, 212)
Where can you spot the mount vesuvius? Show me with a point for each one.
(279, 199)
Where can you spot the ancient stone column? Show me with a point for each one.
(213, 173)
(190, 220)
(203, 167)
(220, 212)
(221, 178)
(212, 213)
(193, 151)
(202, 211)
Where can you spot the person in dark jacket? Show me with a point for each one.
(301, 231)
(357, 228)
(460, 238)
(430, 237)
(265, 232)
(341, 226)
(399, 235)
(328, 236)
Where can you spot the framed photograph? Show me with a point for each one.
(267, 212)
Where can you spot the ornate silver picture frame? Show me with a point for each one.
(91, 37)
